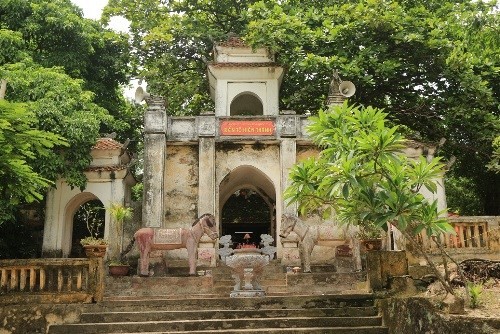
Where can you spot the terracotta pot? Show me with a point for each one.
(119, 270)
(95, 250)
(372, 244)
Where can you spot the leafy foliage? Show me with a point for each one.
(55, 34)
(364, 176)
(62, 107)
(21, 143)
(475, 293)
(68, 72)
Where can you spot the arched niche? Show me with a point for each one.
(246, 104)
(247, 200)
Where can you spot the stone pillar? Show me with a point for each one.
(154, 162)
(206, 184)
(206, 165)
(287, 249)
(53, 224)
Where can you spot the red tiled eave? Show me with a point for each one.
(106, 144)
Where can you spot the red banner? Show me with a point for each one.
(247, 128)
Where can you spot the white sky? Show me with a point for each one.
(92, 10)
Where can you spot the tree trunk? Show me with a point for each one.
(3, 88)
(433, 266)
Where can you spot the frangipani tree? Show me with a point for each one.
(363, 176)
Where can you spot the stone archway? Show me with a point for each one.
(247, 200)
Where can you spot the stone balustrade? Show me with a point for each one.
(476, 233)
(51, 280)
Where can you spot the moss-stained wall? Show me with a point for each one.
(36, 318)
(306, 151)
(181, 186)
(418, 315)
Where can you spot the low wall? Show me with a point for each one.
(418, 315)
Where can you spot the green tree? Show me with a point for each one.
(56, 34)
(433, 65)
(62, 107)
(21, 143)
(69, 71)
(494, 165)
(364, 177)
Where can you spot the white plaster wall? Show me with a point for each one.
(62, 203)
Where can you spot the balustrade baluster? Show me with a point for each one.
(70, 279)
(3, 280)
(79, 279)
(477, 238)
(32, 279)
(59, 279)
(485, 235)
(461, 235)
(14, 280)
(42, 279)
(22, 279)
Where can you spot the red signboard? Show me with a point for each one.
(247, 128)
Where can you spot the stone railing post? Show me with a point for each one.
(96, 278)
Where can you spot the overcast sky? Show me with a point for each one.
(92, 10)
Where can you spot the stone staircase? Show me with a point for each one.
(346, 313)
(324, 301)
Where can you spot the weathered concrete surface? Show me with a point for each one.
(418, 315)
(181, 186)
(36, 318)
(158, 286)
(382, 265)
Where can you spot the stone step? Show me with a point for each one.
(263, 282)
(303, 330)
(138, 303)
(164, 315)
(190, 325)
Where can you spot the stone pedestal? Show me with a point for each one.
(247, 265)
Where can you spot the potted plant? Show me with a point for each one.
(370, 236)
(118, 266)
(93, 245)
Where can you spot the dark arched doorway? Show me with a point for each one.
(247, 205)
(90, 215)
(246, 104)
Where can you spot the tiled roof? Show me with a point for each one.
(233, 42)
(107, 144)
(217, 64)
